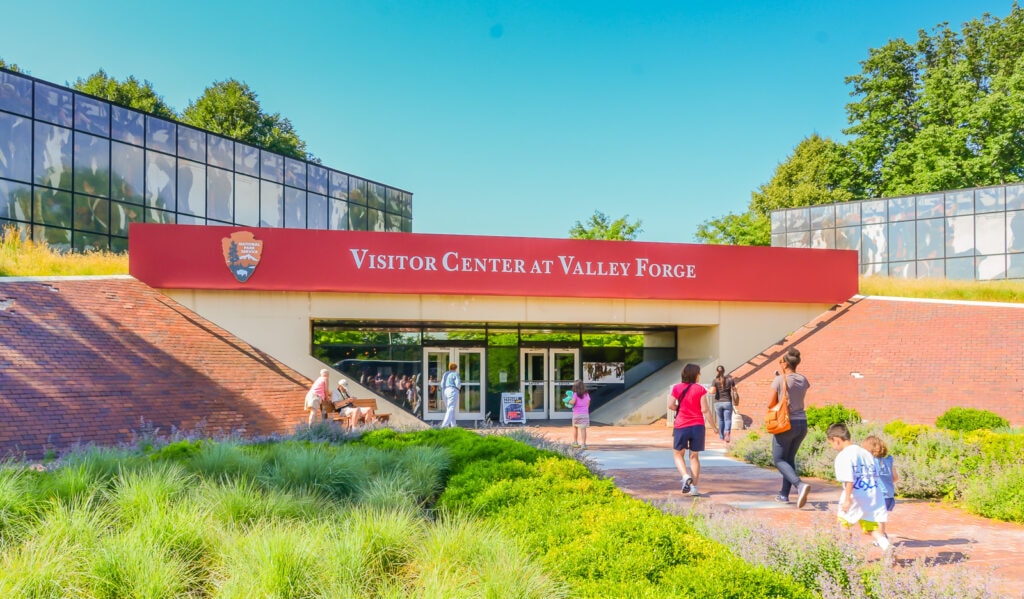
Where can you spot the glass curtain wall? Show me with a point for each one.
(960, 234)
(76, 170)
(388, 359)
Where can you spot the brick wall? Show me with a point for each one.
(903, 359)
(87, 360)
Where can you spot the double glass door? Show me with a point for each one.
(545, 376)
(471, 372)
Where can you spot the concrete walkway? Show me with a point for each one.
(639, 459)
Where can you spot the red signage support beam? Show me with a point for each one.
(207, 257)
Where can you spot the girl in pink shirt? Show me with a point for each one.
(580, 414)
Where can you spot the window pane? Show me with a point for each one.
(53, 156)
(798, 219)
(220, 195)
(220, 151)
(53, 104)
(316, 211)
(92, 165)
(847, 214)
(393, 222)
(127, 125)
(930, 206)
(159, 216)
(121, 215)
(16, 94)
(991, 268)
(15, 147)
(295, 173)
(930, 238)
(161, 175)
(1015, 231)
(374, 220)
(317, 179)
(848, 238)
(902, 270)
(375, 196)
(57, 239)
(52, 208)
(990, 233)
(92, 214)
(406, 225)
(91, 242)
(931, 269)
(960, 238)
(339, 215)
(188, 219)
(873, 244)
(161, 135)
(1015, 266)
(191, 144)
(357, 217)
(191, 188)
(271, 204)
(294, 208)
(823, 217)
(960, 202)
(800, 239)
(247, 201)
(877, 269)
(960, 269)
(901, 242)
(118, 245)
(272, 166)
(901, 209)
(247, 159)
(873, 211)
(394, 200)
(15, 200)
(778, 222)
(406, 204)
(1015, 197)
(779, 240)
(823, 239)
(989, 200)
(357, 191)
(128, 166)
(92, 116)
(339, 185)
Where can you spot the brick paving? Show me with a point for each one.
(639, 459)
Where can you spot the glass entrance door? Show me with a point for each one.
(545, 375)
(471, 373)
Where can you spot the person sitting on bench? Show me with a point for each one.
(346, 407)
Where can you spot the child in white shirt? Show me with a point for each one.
(863, 497)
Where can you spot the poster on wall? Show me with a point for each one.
(512, 408)
(611, 373)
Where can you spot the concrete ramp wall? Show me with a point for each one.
(645, 402)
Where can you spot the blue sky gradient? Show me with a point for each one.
(509, 118)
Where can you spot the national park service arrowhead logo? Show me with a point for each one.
(242, 253)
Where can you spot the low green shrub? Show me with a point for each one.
(970, 419)
(997, 491)
(821, 418)
(904, 433)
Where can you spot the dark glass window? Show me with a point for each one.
(295, 173)
(52, 208)
(92, 116)
(53, 104)
(122, 215)
(294, 208)
(191, 143)
(271, 204)
(357, 191)
(339, 185)
(316, 212)
(221, 151)
(127, 164)
(15, 94)
(339, 215)
(92, 165)
(161, 175)
(52, 156)
(220, 194)
(247, 160)
(318, 179)
(375, 196)
(191, 188)
(55, 237)
(92, 214)
(247, 201)
(128, 126)
(161, 135)
(15, 200)
(15, 147)
(357, 217)
(271, 166)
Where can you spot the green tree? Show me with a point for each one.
(748, 228)
(129, 92)
(600, 227)
(232, 109)
(10, 66)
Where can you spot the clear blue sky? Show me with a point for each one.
(508, 117)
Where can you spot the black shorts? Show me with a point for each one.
(689, 437)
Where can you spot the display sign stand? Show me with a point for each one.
(512, 408)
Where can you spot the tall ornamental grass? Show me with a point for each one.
(24, 258)
(978, 291)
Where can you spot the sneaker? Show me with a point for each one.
(781, 499)
(801, 499)
(686, 484)
(693, 491)
(583, 446)
(575, 445)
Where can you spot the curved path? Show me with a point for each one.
(639, 459)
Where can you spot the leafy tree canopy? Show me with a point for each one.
(944, 111)
(232, 109)
(129, 92)
(600, 227)
(10, 66)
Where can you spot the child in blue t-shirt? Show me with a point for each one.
(863, 497)
(886, 472)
